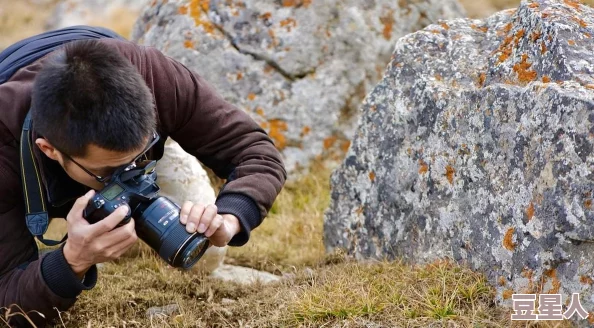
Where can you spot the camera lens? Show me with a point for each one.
(158, 225)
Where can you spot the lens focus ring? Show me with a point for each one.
(174, 242)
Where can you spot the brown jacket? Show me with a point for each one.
(189, 111)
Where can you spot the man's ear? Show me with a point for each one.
(47, 148)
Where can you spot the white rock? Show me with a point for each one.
(243, 275)
(181, 178)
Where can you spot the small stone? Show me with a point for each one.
(167, 310)
(243, 275)
(227, 301)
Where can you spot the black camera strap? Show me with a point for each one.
(36, 215)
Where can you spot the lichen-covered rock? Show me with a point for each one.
(118, 15)
(299, 67)
(478, 145)
(181, 178)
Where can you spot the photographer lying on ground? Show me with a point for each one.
(97, 103)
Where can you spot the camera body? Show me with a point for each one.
(156, 217)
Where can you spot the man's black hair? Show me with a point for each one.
(87, 93)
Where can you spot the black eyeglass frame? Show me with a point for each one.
(101, 179)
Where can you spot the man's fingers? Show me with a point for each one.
(119, 234)
(110, 222)
(116, 250)
(210, 212)
(76, 213)
(185, 212)
(194, 218)
(214, 225)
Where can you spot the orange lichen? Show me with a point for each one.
(188, 44)
(345, 145)
(329, 142)
(438, 77)
(289, 3)
(388, 22)
(591, 317)
(543, 47)
(444, 25)
(423, 167)
(183, 10)
(507, 294)
(501, 281)
(260, 111)
(586, 280)
(546, 79)
(251, 96)
(522, 69)
(483, 29)
(266, 16)
(571, 42)
(589, 86)
(530, 211)
(198, 9)
(588, 203)
(275, 41)
(507, 27)
(552, 273)
(535, 36)
(587, 35)
(580, 21)
(533, 5)
(519, 37)
(239, 75)
(305, 131)
(288, 23)
(482, 78)
(277, 127)
(372, 176)
(505, 49)
(572, 3)
(450, 173)
(508, 242)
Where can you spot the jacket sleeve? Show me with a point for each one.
(28, 283)
(221, 136)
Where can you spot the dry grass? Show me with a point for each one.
(22, 18)
(292, 235)
(318, 290)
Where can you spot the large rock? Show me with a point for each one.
(299, 67)
(181, 178)
(477, 145)
(118, 15)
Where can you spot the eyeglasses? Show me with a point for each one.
(103, 179)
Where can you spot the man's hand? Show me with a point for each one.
(89, 244)
(219, 229)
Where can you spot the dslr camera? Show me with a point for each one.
(156, 217)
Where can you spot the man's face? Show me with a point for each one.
(99, 161)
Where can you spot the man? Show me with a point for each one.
(97, 103)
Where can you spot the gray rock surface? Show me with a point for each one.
(243, 275)
(299, 67)
(477, 145)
